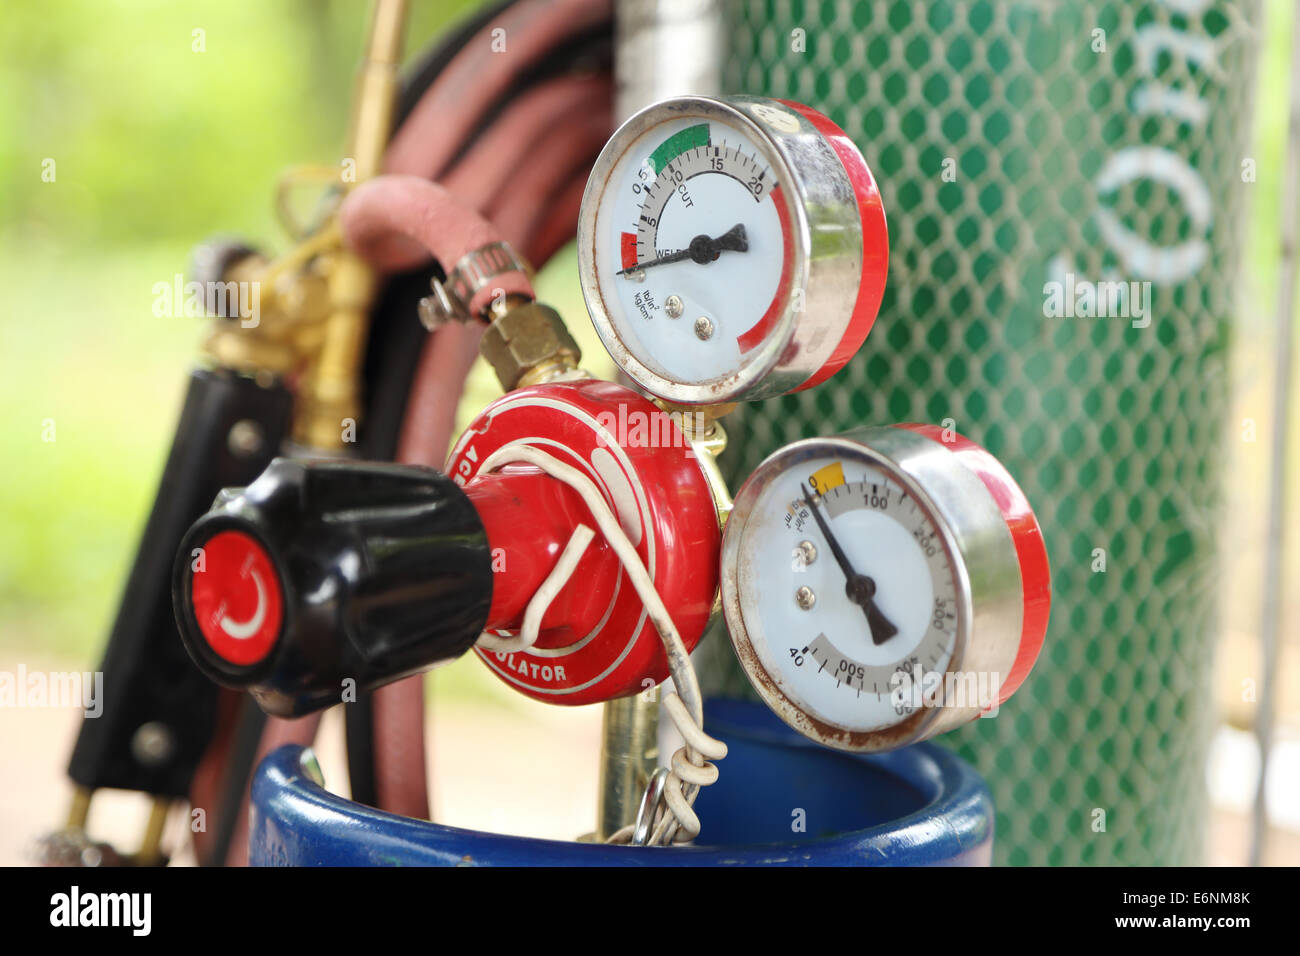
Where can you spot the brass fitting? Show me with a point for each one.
(698, 421)
(290, 325)
(329, 397)
(528, 344)
(708, 440)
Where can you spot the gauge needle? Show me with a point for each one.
(860, 588)
(702, 249)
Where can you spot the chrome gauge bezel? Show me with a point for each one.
(973, 534)
(811, 322)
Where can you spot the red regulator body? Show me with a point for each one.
(596, 641)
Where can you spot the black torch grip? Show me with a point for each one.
(228, 432)
(326, 578)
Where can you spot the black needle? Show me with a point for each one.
(860, 588)
(702, 249)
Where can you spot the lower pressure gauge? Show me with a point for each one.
(731, 249)
(884, 586)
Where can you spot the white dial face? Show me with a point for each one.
(843, 581)
(693, 249)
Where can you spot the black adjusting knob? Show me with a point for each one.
(321, 573)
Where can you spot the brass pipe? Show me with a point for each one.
(629, 754)
(79, 812)
(376, 91)
(330, 395)
(151, 845)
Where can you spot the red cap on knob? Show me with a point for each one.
(237, 599)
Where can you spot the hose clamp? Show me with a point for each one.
(451, 296)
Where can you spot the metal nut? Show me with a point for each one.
(527, 337)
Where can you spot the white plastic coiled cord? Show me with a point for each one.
(691, 769)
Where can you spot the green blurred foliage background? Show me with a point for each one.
(156, 145)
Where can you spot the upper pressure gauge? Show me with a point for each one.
(731, 249)
(884, 586)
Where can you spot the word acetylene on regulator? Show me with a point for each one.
(879, 587)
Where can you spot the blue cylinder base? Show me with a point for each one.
(781, 800)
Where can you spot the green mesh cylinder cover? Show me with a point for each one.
(1018, 143)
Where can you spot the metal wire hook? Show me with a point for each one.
(645, 814)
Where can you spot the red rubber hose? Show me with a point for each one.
(481, 74)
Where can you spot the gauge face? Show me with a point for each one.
(694, 247)
(857, 590)
(704, 248)
(882, 587)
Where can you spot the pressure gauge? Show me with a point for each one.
(731, 249)
(884, 586)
